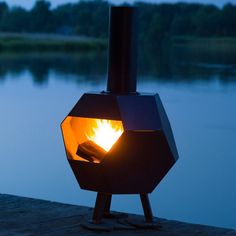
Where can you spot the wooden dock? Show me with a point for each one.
(22, 216)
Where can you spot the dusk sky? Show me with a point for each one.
(29, 3)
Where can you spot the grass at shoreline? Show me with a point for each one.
(27, 42)
(218, 44)
(48, 43)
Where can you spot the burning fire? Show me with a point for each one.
(106, 133)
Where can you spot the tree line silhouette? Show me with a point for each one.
(156, 21)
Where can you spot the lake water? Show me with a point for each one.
(199, 94)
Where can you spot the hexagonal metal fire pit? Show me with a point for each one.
(144, 150)
(141, 156)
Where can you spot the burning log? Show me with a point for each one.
(91, 151)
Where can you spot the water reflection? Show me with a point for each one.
(200, 187)
(187, 65)
(176, 64)
(41, 65)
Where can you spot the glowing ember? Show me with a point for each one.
(106, 133)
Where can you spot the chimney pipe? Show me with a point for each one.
(122, 62)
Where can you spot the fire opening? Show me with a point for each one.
(106, 133)
(90, 139)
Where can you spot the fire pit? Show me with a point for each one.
(119, 141)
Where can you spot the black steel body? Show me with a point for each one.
(143, 154)
(146, 149)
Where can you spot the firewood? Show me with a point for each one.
(91, 151)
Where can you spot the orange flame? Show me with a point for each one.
(106, 133)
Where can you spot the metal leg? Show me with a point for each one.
(146, 207)
(107, 205)
(100, 206)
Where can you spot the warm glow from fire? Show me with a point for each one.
(105, 133)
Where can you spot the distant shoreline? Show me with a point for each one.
(27, 42)
(36, 42)
(209, 44)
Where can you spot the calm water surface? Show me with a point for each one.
(36, 92)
